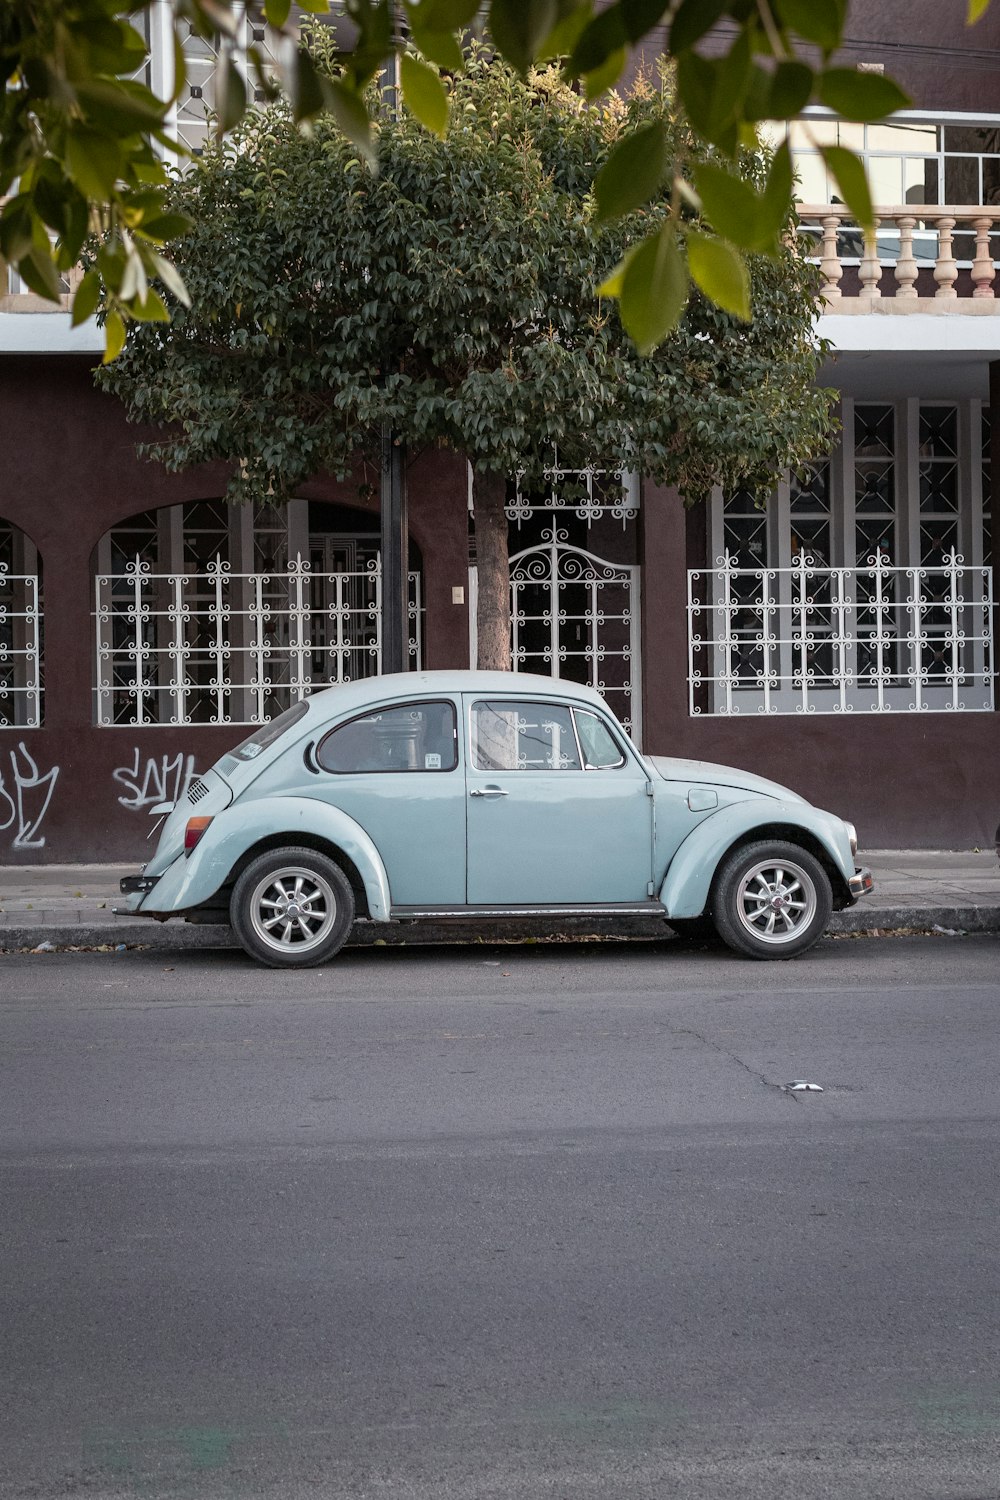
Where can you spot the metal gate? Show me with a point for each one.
(576, 615)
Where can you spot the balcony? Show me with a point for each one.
(921, 258)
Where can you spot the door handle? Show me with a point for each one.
(488, 791)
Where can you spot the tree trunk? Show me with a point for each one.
(489, 493)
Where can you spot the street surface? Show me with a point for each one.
(502, 1223)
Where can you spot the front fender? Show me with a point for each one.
(194, 879)
(688, 880)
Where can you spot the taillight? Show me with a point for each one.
(194, 830)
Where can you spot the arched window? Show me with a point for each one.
(20, 631)
(214, 614)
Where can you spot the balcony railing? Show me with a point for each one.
(920, 258)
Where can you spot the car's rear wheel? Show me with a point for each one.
(771, 900)
(292, 908)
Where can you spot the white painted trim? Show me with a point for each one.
(47, 333)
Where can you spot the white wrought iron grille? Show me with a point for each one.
(815, 639)
(576, 615)
(219, 647)
(20, 649)
(589, 495)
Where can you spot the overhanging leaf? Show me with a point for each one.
(172, 279)
(692, 19)
(348, 109)
(721, 272)
(976, 9)
(232, 94)
(791, 90)
(654, 289)
(307, 94)
(733, 207)
(519, 29)
(439, 47)
(850, 176)
(599, 80)
(88, 295)
(424, 93)
(819, 21)
(94, 162)
(632, 173)
(860, 96)
(114, 337)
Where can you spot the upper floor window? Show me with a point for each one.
(907, 160)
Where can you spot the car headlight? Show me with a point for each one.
(852, 834)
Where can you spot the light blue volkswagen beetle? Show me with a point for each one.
(464, 794)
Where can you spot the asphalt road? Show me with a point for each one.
(523, 1223)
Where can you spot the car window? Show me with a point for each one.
(266, 734)
(403, 737)
(601, 751)
(523, 736)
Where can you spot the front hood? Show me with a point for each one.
(673, 769)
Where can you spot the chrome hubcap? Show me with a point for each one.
(775, 901)
(293, 909)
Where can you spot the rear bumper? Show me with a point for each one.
(861, 883)
(135, 888)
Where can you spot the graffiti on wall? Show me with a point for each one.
(25, 794)
(158, 778)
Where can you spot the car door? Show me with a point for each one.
(397, 770)
(547, 822)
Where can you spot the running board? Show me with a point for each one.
(612, 909)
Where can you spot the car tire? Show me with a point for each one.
(771, 900)
(292, 908)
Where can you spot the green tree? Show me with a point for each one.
(78, 129)
(453, 297)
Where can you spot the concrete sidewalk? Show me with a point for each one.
(70, 905)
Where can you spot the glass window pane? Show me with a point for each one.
(902, 138)
(406, 737)
(813, 184)
(961, 179)
(885, 173)
(601, 751)
(266, 735)
(523, 736)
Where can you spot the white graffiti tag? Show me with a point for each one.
(163, 778)
(25, 812)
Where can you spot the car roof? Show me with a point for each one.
(346, 696)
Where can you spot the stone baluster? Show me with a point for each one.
(870, 269)
(983, 269)
(906, 266)
(946, 268)
(829, 264)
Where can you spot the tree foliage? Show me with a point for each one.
(454, 297)
(78, 127)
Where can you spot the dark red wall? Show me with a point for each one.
(70, 471)
(927, 47)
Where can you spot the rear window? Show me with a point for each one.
(266, 734)
(403, 737)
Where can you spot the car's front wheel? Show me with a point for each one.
(292, 908)
(771, 900)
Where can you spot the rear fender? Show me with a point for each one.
(688, 881)
(194, 879)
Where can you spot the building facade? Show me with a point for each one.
(837, 636)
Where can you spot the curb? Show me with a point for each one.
(199, 937)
